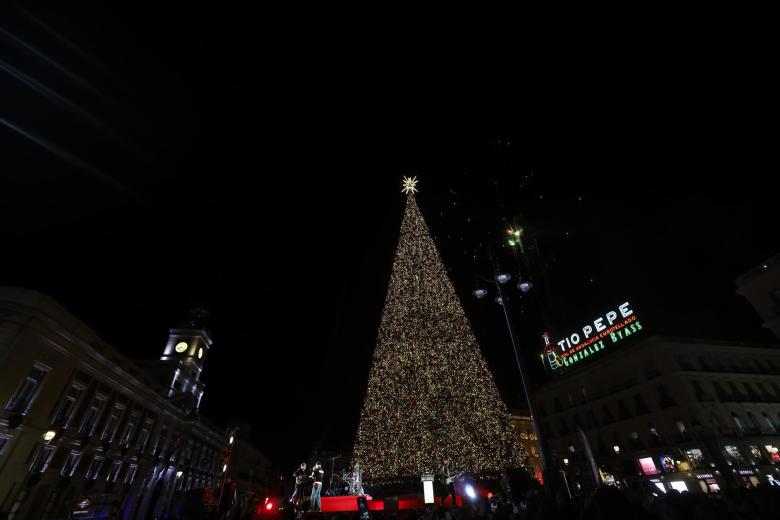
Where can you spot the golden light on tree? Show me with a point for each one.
(430, 393)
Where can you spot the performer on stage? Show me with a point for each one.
(448, 474)
(317, 475)
(300, 480)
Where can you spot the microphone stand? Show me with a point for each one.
(332, 470)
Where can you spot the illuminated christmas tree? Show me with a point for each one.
(430, 393)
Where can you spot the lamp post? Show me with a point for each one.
(500, 280)
(226, 463)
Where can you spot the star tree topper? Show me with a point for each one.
(410, 184)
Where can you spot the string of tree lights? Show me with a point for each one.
(430, 393)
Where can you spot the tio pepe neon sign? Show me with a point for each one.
(595, 336)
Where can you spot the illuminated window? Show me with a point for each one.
(143, 436)
(70, 464)
(92, 415)
(769, 422)
(68, 406)
(94, 468)
(115, 469)
(130, 475)
(27, 391)
(42, 459)
(113, 421)
(129, 430)
(738, 422)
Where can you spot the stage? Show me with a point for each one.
(350, 503)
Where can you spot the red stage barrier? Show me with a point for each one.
(349, 503)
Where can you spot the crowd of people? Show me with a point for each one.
(606, 503)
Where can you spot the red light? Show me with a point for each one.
(269, 506)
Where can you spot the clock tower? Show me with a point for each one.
(184, 355)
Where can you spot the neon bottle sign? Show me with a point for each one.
(593, 337)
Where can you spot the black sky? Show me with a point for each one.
(165, 159)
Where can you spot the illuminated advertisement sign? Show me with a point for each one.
(602, 332)
(772, 451)
(648, 466)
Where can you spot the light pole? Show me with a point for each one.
(226, 463)
(500, 280)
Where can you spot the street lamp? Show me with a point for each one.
(228, 452)
(499, 281)
(617, 449)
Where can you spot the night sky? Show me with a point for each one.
(153, 161)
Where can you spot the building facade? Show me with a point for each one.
(761, 287)
(82, 424)
(523, 424)
(667, 413)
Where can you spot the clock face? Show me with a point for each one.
(181, 347)
(200, 352)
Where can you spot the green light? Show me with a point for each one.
(512, 243)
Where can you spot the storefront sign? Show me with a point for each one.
(605, 330)
(773, 454)
(733, 455)
(746, 472)
(695, 457)
(705, 475)
(648, 466)
(667, 463)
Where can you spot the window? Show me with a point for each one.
(111, 424)
(753, 421)
(715, 420)
(143, 437)
(129, 430)
(607, 415)
(67, 407)
(641, 407)
(738, 422)
(564, 428)
(70, 464)
(161, 439)
(664, 399)
(5, 438)
(94, 468)
(115, 469)
(769, 422)
(92, 415)
(42, 459)
(26, 392)
(684, 363)
(735, 392)
(623, 412)
(131, 473)
(654, 435)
